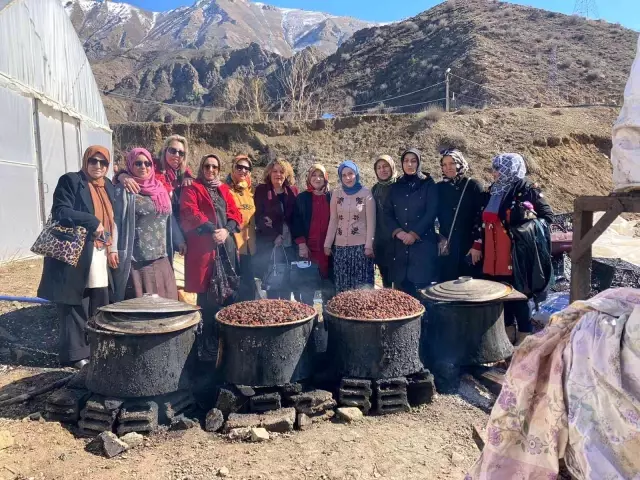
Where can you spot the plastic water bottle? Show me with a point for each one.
(317, 302)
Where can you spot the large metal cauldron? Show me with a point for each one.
(140, 347)
(465, 326)
(265, 355)
(375, 349)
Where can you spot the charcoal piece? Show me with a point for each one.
(245, 390)
(230, 400)
(138, 416)
(613, 273)
(313, 402)
(421, 388)
(265, 403)
(175, 404)
(214, 420)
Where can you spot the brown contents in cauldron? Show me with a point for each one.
(383, 304)
(265, 312)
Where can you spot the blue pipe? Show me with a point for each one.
(8, 298)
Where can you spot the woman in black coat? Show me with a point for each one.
(385, 169)
(82, 199)
(410, 213)
(460, 202)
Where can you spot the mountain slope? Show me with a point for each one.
(109, 27)
(504, 53)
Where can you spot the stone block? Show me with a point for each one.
(313, 402)
(107, 444)
(214, 420)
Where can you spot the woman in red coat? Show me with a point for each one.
(208, 216)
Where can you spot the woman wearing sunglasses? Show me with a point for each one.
(239, 181)
(210, 218)
(149, 233)
(82, 199)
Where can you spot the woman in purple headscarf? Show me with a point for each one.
(148, 236)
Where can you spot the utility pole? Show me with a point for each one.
(586, 8)
(447, 76)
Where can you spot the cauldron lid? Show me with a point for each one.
(149, 304)
(147, 315)
(467, 289)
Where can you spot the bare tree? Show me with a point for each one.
(253, 99)
(298, 95)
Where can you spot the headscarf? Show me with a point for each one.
(392, 165)
(511, 168)
(314, 167)
(357, 186)
(418, 175)
(102, 207)
(216, 182)
(462, 167)
(244, 184)
(174, 177)
(150, 186)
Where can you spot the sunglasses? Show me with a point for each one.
(175, 151)
(141, 164)
(98, 162)
(241, 168)
(210, 166)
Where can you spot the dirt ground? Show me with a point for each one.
(430, 442)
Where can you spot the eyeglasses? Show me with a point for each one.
(98, 162)
(241, 168)
(141, 164)
(210, 166)
(175, 151)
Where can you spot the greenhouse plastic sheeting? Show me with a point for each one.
(618, 241)
(40, 52)
(625, 154)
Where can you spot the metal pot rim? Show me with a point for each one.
(275, 325)
(114, 333)
(381, 320)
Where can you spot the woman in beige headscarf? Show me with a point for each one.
(385, 169)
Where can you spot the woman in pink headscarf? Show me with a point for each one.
(149, 234)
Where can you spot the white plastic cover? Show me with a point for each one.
(625, 155)
(52, 112)
(41, 55)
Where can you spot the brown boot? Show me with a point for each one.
(521, 337)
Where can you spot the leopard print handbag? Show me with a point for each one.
(61, 242)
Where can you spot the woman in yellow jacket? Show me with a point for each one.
(239, 180)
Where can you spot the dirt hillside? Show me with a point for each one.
(566, 149)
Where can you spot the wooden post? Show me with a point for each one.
(581, 267)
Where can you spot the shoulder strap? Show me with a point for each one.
(455, 217)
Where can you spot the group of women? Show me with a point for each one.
(415, 230)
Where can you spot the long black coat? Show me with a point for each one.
(63, 283)
(454, 265)
(382, 244)
(413, 209)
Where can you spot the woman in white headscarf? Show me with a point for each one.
(460, 202)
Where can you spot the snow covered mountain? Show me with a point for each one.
(109, 27)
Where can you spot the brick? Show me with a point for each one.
(228, 401)
(391, 384)
(138, 416)
(265, 402)
(356, 385)
(421, 388)
(65, 405)
(313, 402)
(175, 404)
(281, 420)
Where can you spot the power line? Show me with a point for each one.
(398, 96)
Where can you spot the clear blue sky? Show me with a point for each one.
(626, 12)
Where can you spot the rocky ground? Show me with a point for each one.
(432, 442)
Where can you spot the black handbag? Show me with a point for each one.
(305, 276)
(224, 281)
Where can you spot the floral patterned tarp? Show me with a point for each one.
(572, 391)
